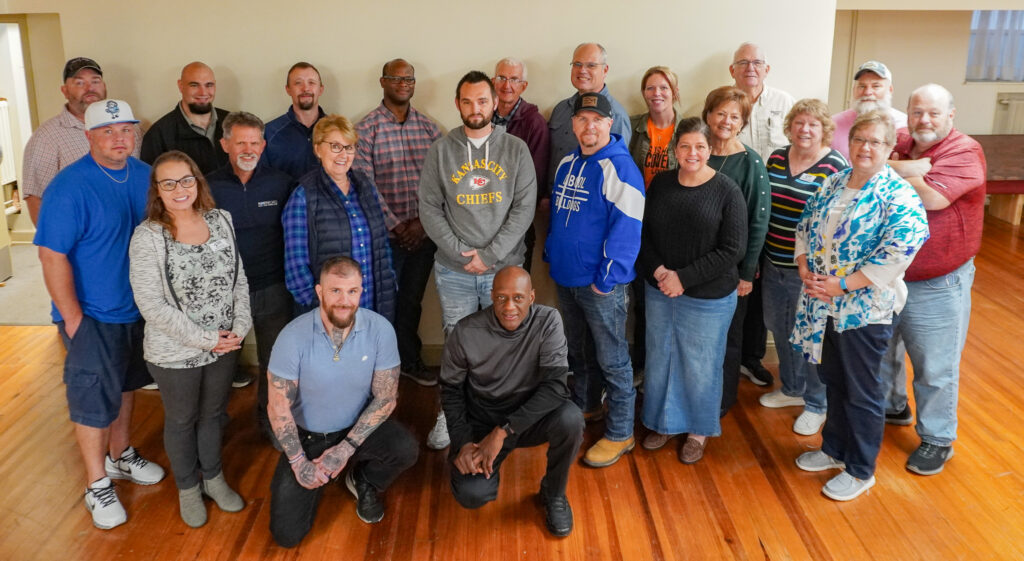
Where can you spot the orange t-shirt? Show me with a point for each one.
(657, 156)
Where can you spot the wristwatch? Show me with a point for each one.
(507, 427)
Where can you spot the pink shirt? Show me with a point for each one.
(844, 120)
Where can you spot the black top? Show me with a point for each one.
(700, 232)
(172, 132)
(256, 209)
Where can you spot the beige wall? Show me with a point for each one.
(918, 47)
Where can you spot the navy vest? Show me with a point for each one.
(329, 233)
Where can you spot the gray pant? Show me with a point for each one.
(195, 400)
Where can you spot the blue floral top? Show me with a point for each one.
(884, 224)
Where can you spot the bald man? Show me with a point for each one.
(194, 126)
(503, 386)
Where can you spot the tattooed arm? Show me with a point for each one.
(385, 396)
(281, 396)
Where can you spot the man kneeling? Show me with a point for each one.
(503, 386)
(333, 383)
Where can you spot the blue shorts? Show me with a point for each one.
(103, 361)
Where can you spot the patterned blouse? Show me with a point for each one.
(882, 227)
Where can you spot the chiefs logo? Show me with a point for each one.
(477, 182)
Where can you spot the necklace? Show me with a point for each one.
(723, 163)
(127, 174)
(341, 343)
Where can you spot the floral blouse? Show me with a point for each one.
(883, 225)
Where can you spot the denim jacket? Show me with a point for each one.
(885, 225)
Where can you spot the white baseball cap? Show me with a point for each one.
(108, 112)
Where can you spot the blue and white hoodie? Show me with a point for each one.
(597, 205)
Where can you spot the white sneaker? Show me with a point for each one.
(101, 500)
(150, 386)
(808, 423)
(778, 399)
(845, 487)
(816, 460)
(438, 437)
(134, 467)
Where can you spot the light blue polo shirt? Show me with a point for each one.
(332, 394)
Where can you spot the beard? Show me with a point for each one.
(863, 106)
(200, 108)
(341, 317)
(305, 104)
(483, 122)
(246, 165)
(931, 136)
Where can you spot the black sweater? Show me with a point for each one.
(700, 232)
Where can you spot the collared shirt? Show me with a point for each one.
(297, 275)
(210, 129)
(56, 144)
(503, 121)
(335, 384)
(392, 154)
(764, 131)
(290, 144)
(564, 141)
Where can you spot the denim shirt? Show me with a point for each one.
(885, 225)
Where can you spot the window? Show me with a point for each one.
(996, 51)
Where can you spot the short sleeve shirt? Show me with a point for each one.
(333, 393)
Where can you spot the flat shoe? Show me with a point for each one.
(655, 440)
(692, 451)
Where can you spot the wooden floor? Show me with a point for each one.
(745, 500)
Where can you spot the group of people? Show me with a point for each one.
(320, 234)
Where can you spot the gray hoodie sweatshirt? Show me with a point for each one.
(478, 198)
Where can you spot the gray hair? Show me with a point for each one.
(750, 44)
(936, 91)
(241, 119)
(604, 53)
(511, 62)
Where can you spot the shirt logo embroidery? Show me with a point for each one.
(262, 204)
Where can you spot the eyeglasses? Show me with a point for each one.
(188, 182)
(874, 144)
(407, 80)
(513, 81)
(757, 63)
(588, 65)
(339, 148)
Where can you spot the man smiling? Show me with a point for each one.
(290, 136)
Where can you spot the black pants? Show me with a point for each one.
(271, 312)
(733, 352)
(755, 334)
(386, 453)
(412, 271)
(562, 429)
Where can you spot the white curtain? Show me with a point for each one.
(997, 46)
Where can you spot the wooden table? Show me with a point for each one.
(1004, 154)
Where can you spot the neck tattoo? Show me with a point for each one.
(127, 173)
(338, 337)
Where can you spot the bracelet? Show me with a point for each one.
(351, 443)
(297, 458)
(842, 285)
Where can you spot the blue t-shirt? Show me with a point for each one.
(89, 215)
(333, 393)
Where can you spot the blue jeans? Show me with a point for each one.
(460, 294)
(602, 319)
(685, 346)
(780, 290)
(933, 327)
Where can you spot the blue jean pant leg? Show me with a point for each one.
(603, 316)
(685, 346)
(460, 294)
(781, 290)
(894, 373)
(934, 327)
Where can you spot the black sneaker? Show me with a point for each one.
(903, 417)
(420, 374)
(558, 515)
(241, 379)
(369, 507)
(757, 374)
(929, 459)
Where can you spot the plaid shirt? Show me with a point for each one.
(392, 154)
(57, 143)
(297, 274)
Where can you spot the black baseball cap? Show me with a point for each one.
(73, 66)
(593, 102)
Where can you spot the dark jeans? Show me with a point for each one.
(733, 352)
(530, 239)
(386, 453)
(637, 288)
(271, 312)
(755, 334)
(195, 400)
(562, 429)
(412, 271)
(850, 368)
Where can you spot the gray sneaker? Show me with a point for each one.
(101, 500)
(845, 487)
(929, 459)
(133, 467)
(438, 438)
(816, 460)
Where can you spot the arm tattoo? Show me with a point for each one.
(385, 397)
(282, 394)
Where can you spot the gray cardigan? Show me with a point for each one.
(170, 336)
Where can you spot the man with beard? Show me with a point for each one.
(255, 193)
(194, 126)
(290, 136)
(872, 89)
(947, 169)
(333, 385)
(477, 196)
(393, 141)
(61, 140)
